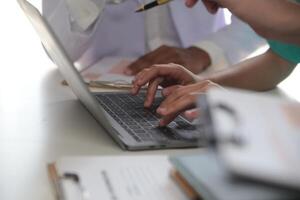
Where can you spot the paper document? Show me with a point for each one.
(109, 69)
(121, 178)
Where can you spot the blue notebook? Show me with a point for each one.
(210, 179)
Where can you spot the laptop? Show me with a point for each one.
(122, 115)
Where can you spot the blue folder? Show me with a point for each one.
(205, 173)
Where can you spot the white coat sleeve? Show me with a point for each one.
(75, 43)
(231, 44)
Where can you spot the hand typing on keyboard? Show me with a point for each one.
(181, 89)
(141, 123)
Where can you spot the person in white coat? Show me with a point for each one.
(170, 33)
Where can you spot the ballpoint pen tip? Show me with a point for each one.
(140, 9)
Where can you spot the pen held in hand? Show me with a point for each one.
(152, 5)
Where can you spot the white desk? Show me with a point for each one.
(40, 120)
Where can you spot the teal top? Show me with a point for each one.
(289, 52)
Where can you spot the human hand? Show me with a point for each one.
(179, 99)
(167, 75)
(210, 5)
(194, 59)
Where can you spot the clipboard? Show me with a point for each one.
(109, 85)
(114, 177)
(57, 181)
(185, 185)
(257, 136)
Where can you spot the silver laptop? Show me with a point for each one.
(121, 114)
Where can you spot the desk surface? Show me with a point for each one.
(40, 120)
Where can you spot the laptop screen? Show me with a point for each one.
(65, 65)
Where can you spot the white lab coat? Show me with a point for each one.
(121, 32)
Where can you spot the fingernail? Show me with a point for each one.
(188, 4)
(132, 91)
(161, 110)
(146, 104)
(161, 123)
(140, 81)
(166, 92)
(188, 115)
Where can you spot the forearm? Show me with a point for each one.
(261, 73)
(273, 19)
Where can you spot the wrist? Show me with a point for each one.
(212, 78)
(201, 55)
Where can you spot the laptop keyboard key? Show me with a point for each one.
(139, 122)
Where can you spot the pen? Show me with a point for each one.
(54, 177)
(152, 5)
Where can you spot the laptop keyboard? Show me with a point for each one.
(142, 123)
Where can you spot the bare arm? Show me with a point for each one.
(273, 19)
(260, 73)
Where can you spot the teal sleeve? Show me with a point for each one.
(289, 52)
